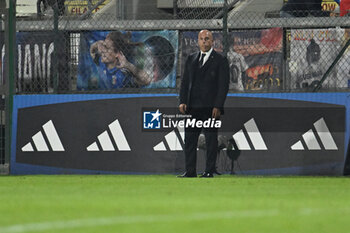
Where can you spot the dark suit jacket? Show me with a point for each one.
(214, 82)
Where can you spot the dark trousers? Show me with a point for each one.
(191, 141)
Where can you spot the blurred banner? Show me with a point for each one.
(119, 59)
(79, 7)
(36, 61)
(329, 5)
(255, 57)
(312, 52)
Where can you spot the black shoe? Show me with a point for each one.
(187, 175)
(207, 175)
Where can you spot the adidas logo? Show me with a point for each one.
(311, 140)
(172, 141)
(48, 140)
(40, 142)
(105, 140)
(253, 134)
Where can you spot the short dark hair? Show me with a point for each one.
(122, 43)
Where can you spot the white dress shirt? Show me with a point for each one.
(206, 57)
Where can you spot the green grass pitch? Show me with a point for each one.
(166, 204)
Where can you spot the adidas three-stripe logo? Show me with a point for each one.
(241, 140)
(253, 134)
(172, 141)
(311, 141)
(106, 142)
(39, 140)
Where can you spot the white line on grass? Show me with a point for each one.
(93, 222)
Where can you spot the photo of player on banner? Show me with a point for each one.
(258, 55)
(238, 67)
(312, 52)
(117, 59)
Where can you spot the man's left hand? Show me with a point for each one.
(216, 113)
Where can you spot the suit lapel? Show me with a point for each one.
(194, 66)
(195, 60)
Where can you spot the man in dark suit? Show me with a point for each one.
(203, 91)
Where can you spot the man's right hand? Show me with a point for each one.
(183, 108)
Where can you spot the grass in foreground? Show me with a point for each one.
(150, 204)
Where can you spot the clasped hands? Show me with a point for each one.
(214, 114)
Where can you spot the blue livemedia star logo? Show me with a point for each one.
(151, 120)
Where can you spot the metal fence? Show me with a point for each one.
(98, 54)
(4, 159)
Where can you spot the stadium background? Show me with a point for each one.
(164, 203)
(49, 56)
